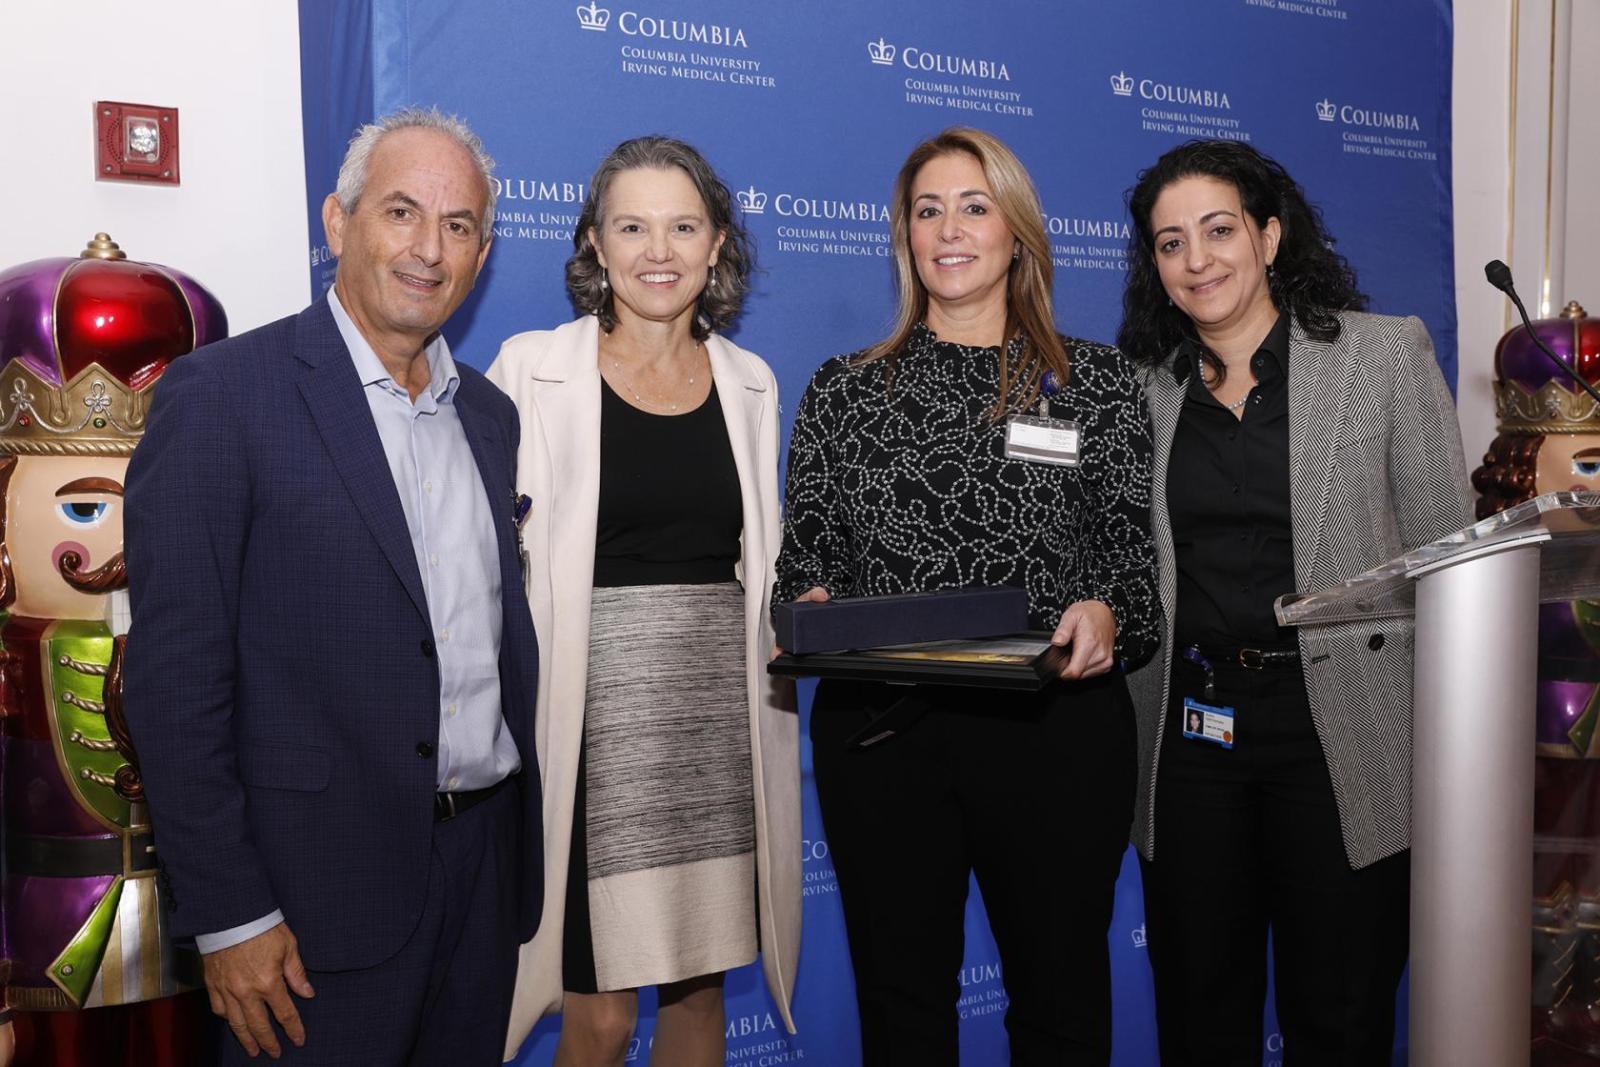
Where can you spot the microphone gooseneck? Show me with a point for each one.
(1499, 276)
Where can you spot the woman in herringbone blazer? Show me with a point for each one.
(1298, 441)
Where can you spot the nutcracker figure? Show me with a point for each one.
(1549, 440)
(90, 972)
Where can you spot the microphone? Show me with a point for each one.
(1499, 276)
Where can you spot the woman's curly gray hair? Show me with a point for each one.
(719, 302)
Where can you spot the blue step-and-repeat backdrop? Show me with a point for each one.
(808, 109)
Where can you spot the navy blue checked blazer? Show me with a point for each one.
(279, 679)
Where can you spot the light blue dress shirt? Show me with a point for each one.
(451, 524)
(452, 533)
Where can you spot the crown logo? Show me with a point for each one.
(1326, 110)
(593, 17)
(1138, 936)
(882, 52)
(752, 201)
(1121, 84)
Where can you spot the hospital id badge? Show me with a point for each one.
(1205, 722)
(1042, 439)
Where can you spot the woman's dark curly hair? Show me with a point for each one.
(721, 299)
(1308, 278)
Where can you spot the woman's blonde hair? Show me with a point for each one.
(1030, 315)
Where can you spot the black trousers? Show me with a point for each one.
(1248, 840)
(1034, 794)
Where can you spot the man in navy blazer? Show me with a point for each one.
(330, 677)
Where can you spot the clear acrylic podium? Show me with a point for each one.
(1475, 596)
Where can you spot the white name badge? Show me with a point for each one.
(1042, 440)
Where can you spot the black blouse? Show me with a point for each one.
(909, 490)
(669, 496)
(1228, 496)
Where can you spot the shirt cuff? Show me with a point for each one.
(209, 943)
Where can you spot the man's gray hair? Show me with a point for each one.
(357, 157)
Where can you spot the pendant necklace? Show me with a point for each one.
(628, 384)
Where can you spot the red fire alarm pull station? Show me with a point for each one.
(135, 142)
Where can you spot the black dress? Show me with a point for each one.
(661, 876)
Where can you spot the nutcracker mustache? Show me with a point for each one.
(113, 574)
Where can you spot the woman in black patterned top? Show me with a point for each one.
(899, 481)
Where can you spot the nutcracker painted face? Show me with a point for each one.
(63, 534)
(82, 344)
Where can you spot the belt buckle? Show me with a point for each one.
(1252, 659)
(445, 806)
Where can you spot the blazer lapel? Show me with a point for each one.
(493, 465)
(1319, 397)
(1165, 396)
(566, 394)
(338, 406)
(740, 393)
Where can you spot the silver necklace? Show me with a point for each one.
(628, 384)
(1211, 385)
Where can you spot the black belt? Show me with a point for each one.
(78, 857)
(1252, 659)
(447, 806)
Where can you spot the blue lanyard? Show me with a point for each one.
(1193, 655)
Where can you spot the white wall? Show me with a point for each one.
(1480, 151)
(237, 223)
(1583, 161)
(1535, 208)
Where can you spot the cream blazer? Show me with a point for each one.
(554, 378)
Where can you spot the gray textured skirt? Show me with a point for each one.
(669, 795)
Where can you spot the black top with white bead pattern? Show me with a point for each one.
(908, 489)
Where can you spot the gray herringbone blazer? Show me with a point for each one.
(1376, 468)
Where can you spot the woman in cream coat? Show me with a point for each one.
(684, 773)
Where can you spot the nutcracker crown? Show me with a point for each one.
(82, 343)
(1534, 397)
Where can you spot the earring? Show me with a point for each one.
(1016, 254)
(1270, 272)
(711, 276)
(605, 280)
